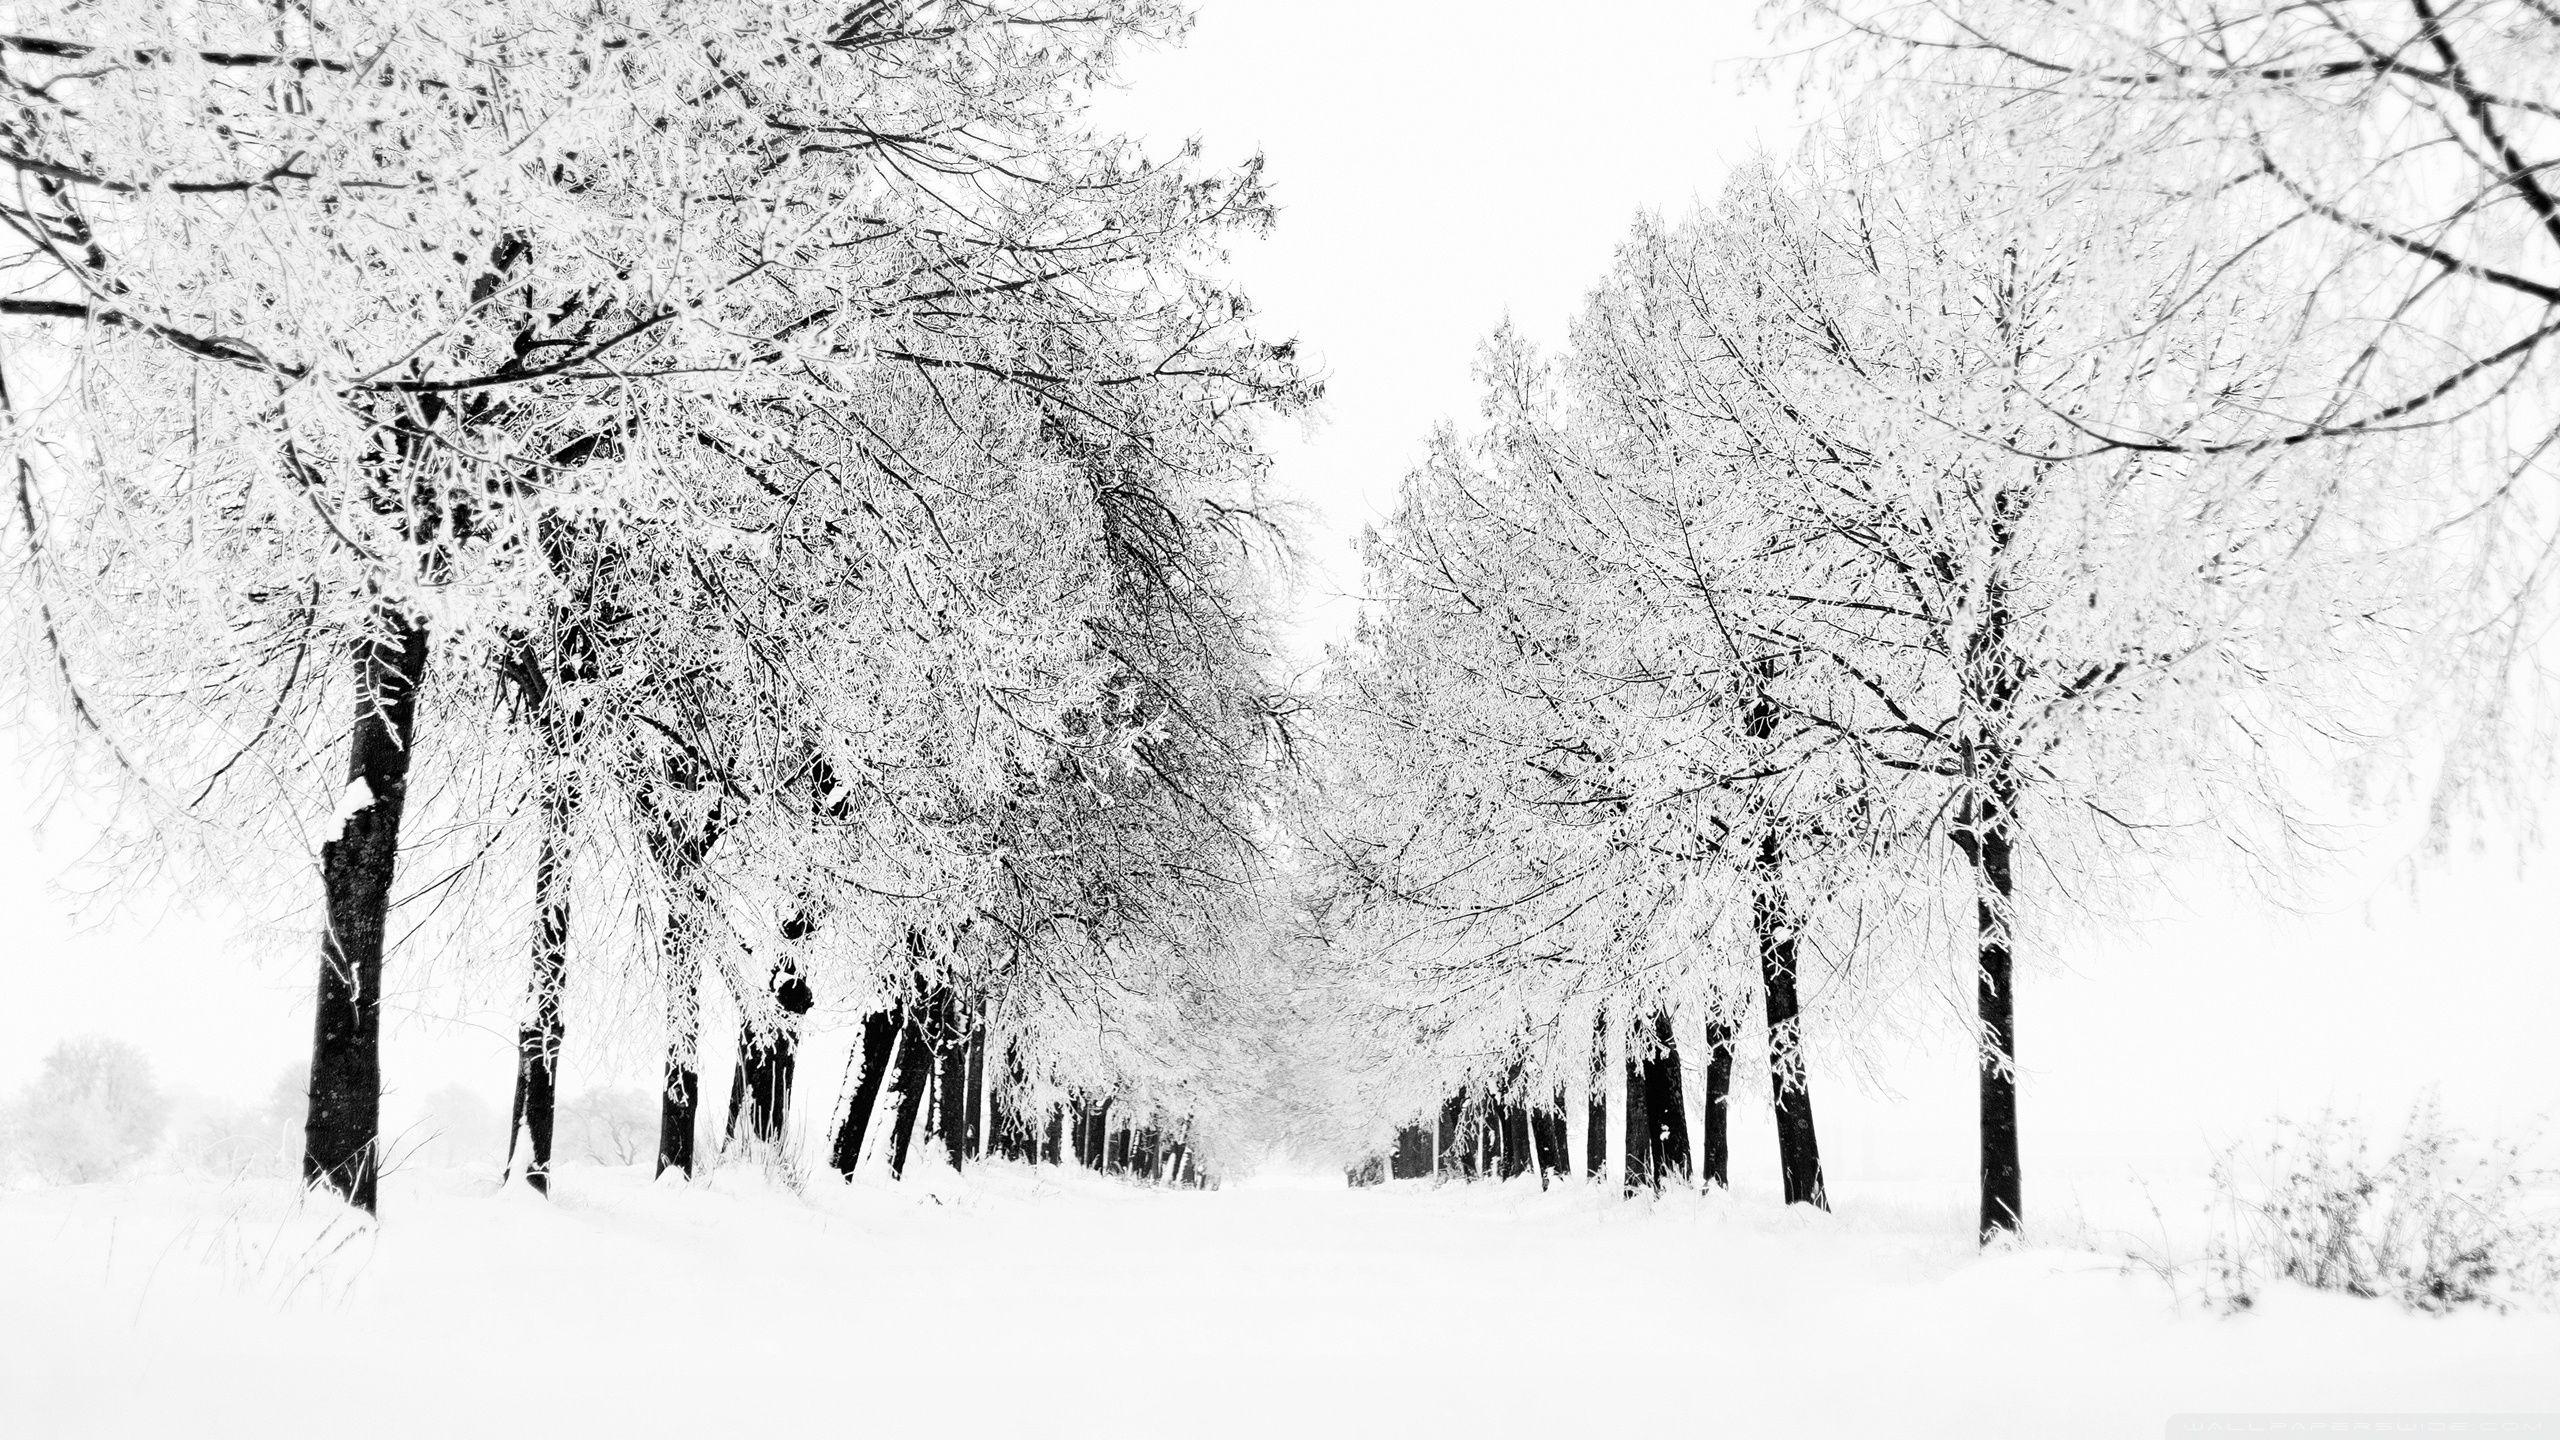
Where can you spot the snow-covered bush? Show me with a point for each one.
(455, 1126)
(610, 1127)
(225, 1140)
(231, 1141)
(90, 1115)
(2442, 1222)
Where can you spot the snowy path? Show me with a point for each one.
(1019, 1307)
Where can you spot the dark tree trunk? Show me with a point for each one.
(1009, 1129)
(341, 1136)
(1636, 1134)
(976, 1127)
(1799, 1157)
(678, 1103)
(2003, 1200)
(1450, 1162)
(679, 855)
(1595, 1133)
(1994, 676)
(1517, 1156)
(1413, 1153)
(1715, 1159)
(1668, 1101)
(680, 1096)
(879, 1042)
(760, 1090)
(1546, 1139)
(1056, 1136)
(1098, 1143)
(915, 1077)
(954, 1102)
(744, 1078)
(538, 1042)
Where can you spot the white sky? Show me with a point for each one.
(1440, 165)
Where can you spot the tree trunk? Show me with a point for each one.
(977, 1126)
(1714, 1142)
(680, 1097)
(1413, 1153)
(879, 1042)
(1446, 1163)
(1667, 1104)
(915, 1077)
(1595, 1136)
(1624, 1128)
(679, 855)
(341, 1136)
(1637, 1133)
(1577, 1095)
(760, 1091)
(1994, 676)
(538, 1042)
(2003, 1203)
(1056, 1136)
(1799, 1157)
(955, 1097)
(1009, 1129)
(1518, 1155)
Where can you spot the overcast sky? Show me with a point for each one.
(1440, 166)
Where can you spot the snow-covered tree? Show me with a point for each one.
(91, 1113)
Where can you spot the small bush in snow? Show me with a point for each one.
(90, 1115)
(610, 1127)
(2442, 1222)
(235, 1141)
(229, 1141)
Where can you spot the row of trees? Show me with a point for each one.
(640, 489)
(660, 500)
(2033, 479)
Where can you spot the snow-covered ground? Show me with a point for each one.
(1015, 1303)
